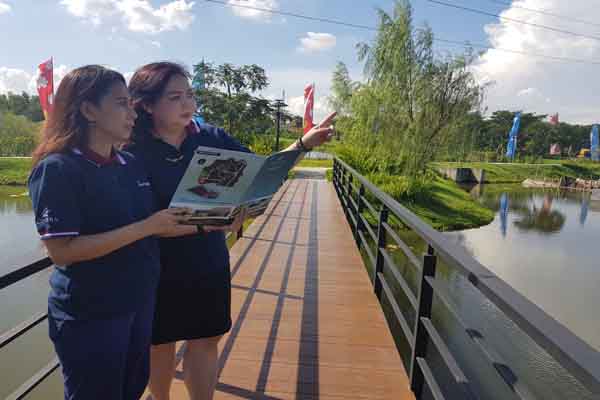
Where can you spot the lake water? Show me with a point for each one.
(541, 243)
(19, 245)
(545, 244)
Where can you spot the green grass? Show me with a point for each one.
(439, 202)
(316, 163)
(516, 173)
(14, 170)
(448, 207)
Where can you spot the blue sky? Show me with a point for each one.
(125, 34)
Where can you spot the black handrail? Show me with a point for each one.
(572, 353)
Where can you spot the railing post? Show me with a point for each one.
(348, 197)
(424, 310)
(381, 240)
(335, 180)
(342, 184)
(359, 223)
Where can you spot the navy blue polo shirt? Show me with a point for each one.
(78, 194)
(193, 255)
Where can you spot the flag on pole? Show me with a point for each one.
(511, 148)
(554, 119)
(309, 104)
(45, 86)
(594, 143)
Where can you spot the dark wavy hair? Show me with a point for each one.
(146, 86)
(66, 127)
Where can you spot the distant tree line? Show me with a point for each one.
(20, 116)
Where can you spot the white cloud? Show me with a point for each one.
(251, 13)
(4, 7)
(314, 42)
(136, 15)
(18, 81)
(14, 80)
(321, 108)
(536, 84)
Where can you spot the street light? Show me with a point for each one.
(278, 104)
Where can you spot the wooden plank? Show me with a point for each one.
(306, 322)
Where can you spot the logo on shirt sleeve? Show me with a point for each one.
(47, 218)
(143, 183)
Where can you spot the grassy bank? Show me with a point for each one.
(516, 173)
(316, 163)
(439, 202)
(450, 208)
(14, 170)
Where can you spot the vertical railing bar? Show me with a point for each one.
(359, 221)
(425, 300)
(351, 209)
(381, 242)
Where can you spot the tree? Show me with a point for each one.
(412, 102)
(227, 99)
(23, 104)
(342, 88)
(18, 135)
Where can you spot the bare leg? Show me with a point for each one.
(162, 369)
(200, 367)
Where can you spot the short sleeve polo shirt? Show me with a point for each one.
(74, 194)
(192, 255)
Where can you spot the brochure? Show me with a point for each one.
(219, 183)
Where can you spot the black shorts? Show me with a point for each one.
(192, 307)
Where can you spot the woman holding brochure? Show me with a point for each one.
(194, 294)
(94, 211)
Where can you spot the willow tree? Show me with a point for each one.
(413, 101)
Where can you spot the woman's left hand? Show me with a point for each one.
(320, 133)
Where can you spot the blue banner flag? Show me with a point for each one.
(511, 148)
(594, 143)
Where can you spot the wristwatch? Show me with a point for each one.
(300, 145)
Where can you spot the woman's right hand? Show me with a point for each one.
(165, 222)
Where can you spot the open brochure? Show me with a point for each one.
(219, 183)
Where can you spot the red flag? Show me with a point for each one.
(45, 86)
(554, 119)
(309, 103)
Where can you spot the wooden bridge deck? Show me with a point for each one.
(306, 324)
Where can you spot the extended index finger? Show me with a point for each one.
(328, 120)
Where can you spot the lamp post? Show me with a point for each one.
(278, 104)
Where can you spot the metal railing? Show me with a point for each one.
(9, 336)
(573, 354)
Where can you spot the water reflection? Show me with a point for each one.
(543, 220)
(542, 243)
(584, 210)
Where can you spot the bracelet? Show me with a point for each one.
(302, 146)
